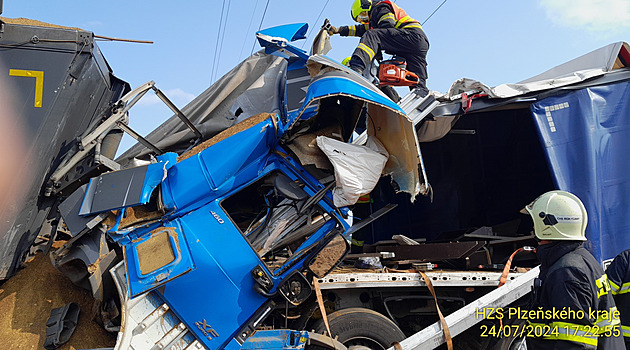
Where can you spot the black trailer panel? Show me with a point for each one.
(61, 87)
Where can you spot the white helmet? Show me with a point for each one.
(559, 216)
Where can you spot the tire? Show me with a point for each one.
(361, 328)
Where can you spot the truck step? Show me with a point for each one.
(154, 325)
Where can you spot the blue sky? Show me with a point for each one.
(494, 41)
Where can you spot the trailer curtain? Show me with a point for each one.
(586, 137)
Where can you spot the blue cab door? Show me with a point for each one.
(158, 256)
(217, 298)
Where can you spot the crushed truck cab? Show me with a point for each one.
(240, 224)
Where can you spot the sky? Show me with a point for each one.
(196, 42)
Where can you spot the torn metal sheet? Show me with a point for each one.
(387, 121)
(321, 43)
(123, 188)
(252, 87)
(593, 64)
(70, 208)
(398, 135)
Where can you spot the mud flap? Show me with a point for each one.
(60, 325)
(156, 258)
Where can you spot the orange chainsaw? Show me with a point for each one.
(394, 72)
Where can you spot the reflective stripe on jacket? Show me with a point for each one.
(572, 279)
(384, 14)
(400, 17)
(618, 273)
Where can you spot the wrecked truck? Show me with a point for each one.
(128, 233)
(140, 238)
(217, 242)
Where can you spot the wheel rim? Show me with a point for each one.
(363, 343)
(358, 347)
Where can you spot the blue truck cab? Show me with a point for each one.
(204, 254)
(225, 232)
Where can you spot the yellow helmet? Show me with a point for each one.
(359, 6)
(558, 216)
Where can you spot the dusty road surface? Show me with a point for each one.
(25, 304)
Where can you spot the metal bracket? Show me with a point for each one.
(138, 137)
(177, 112)
(117, 119)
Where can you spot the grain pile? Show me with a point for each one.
(329, 256)
(26, 301)
(157, 251)
(133, 216)
(33, 22)
(233, 130)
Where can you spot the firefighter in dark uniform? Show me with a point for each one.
(385, 26)
(618, 273)
(570, 280)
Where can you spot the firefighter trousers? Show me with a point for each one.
(411, 44)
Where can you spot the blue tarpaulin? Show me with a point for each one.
(586, 137)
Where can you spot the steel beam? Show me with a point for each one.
(466, 317)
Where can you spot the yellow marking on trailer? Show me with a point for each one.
(39, 82)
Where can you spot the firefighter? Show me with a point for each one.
(385, 26)
(572, 301)
(618, 273)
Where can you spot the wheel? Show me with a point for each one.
(359, 328)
